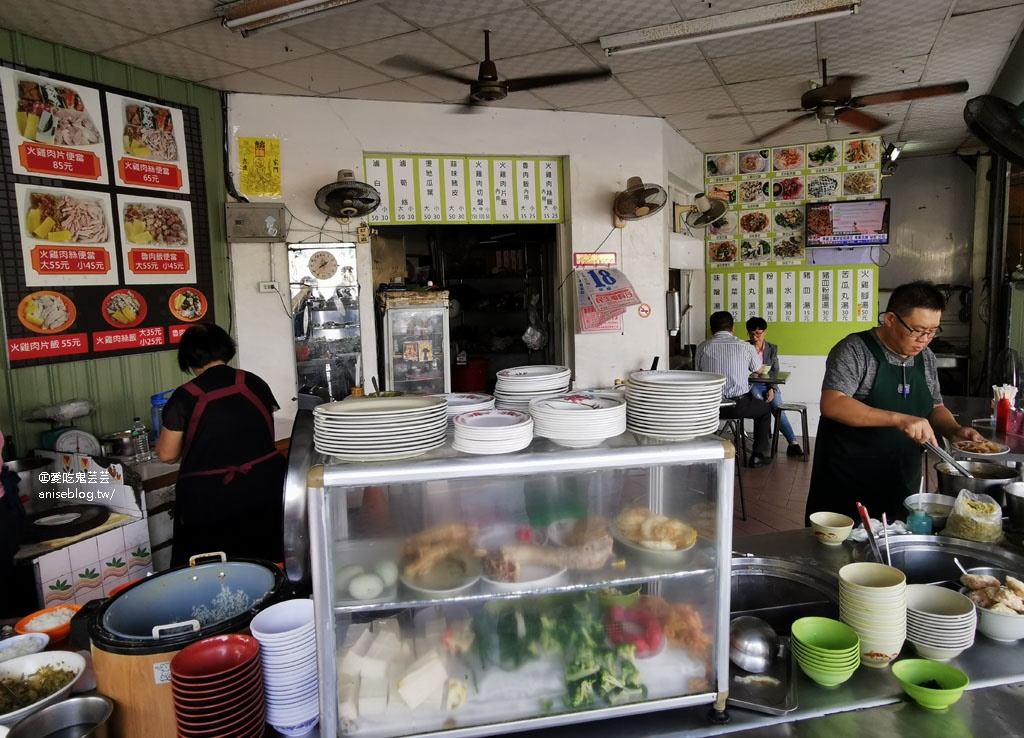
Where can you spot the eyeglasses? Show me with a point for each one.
(916, 334)
(756, 334)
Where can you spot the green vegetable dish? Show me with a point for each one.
(33, 687)
(823, 156)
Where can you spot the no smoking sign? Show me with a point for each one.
(643, 310)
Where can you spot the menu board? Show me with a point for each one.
(460, 189)
(94, 263)
(767, 189)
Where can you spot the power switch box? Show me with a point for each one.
(255, 222)
(267, 286)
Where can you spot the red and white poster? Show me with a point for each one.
(157, 242)
(147, 141)
(54, 128)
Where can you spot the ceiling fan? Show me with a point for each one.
(488, 87)
(834, 101)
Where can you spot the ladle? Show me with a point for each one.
(948, 459)
(959, 565)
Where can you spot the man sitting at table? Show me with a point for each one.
(723, 353)
(769, 353)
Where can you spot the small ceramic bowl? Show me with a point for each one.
(831, 528)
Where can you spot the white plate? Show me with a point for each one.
(651, 554)
(23, 666)
(31, 642)
(518, 373)
(981, 455)
(454, 575)
(531, 576)
(677, 377)
(492, 419)
(372, 406)
(577, 404)
(663, 436)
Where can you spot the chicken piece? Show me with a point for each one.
(983, 597)
(427, 557)
(447, 533)
(1000, 607)
(979, 581)
(1015, 585)
(1006, 596)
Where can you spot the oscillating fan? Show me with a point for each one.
(638, 200)
(705, 211)
(999, 124)
(347, 198)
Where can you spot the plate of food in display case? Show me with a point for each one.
(789, 248)
(46, 312)
(156, 225)
(440, 561)
(822, 155)
(755, 249)
(654, 537)
(754, 221)
(66, 217)
(862, 182)
(724, 225)
(187, 304)
(788, 188)
(722, 251)
(54, 114)
(721, 165)
(790, 157)
(124, 308)
(752, 162)
(789, 219)
(754, 190)
(149, 132)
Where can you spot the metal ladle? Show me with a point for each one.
(948, 459)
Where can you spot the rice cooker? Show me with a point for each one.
(137, 632)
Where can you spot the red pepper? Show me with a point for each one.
(634, 625)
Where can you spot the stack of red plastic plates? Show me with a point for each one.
(217, 686)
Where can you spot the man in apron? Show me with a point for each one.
(880, 401)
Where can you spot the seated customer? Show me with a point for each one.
(723, 353)
(769, 353)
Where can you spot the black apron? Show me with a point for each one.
(878, 467)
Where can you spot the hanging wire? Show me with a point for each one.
(603, 241)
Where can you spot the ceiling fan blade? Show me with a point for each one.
(762, 136)
(714, 116)
(549, 80)
(838, 89)
(913, 93)
(860, 120)
(411, 64)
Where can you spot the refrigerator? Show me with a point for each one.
(416, 342)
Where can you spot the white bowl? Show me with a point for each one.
(937, 602)
(879, 653)
(281, 621)
(1000, 626)
(22, 645)
(933, 653)
(23, 666)
(867, 576)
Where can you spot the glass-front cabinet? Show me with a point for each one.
(463, 594)
(415, 353)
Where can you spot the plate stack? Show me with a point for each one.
(492, 431)
(465, 402)
(288, 655)
(520, 384)
(217, 688)
(380, 428)
(873, 601)
(578, 420)
(673, 404)
(940, 622)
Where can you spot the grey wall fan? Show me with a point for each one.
(705, 211)
(638, 200)
(999, 124)
(347, 198)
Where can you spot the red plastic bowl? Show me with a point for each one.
(214, 656)
(58, 634)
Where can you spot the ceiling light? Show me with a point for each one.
(724, 25)
(253, 16)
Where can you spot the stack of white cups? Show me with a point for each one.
(873, 601)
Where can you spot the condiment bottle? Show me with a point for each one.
(1003, 414)
(919, 522)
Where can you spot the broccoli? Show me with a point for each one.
(627, 695)
(609, 684)
(631, 675)
(580, 694)
(585, 664)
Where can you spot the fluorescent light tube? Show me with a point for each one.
(288, 14)
(779, 15)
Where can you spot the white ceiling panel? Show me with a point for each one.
(889, 45)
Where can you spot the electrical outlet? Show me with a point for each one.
(267, 286)
(363, 233)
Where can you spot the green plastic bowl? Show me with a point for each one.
(913, 673)
(824, 635)
(826, 678)
(827, 664)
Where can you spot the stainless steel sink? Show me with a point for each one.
(929, 559)
(780, 591)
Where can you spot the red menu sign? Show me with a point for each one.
(42, 347)
(177, 331)
(137, 173)
(83, 260)
(157, 261)
(53, 161)
(133, 338)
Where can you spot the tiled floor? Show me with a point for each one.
(775, 495)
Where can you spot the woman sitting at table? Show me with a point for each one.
(769, 353)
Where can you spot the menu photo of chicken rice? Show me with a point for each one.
(64, 216)
(149, 132)
(46, 312)
(52, 112)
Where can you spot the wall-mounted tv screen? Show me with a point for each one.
(848, 223)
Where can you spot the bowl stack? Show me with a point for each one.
(940, 622)
(520, 384)
(827, 651)
(873, 601)
(492, 431)
(217, 688)
(580, 419)
(288, 656)
(673, 404)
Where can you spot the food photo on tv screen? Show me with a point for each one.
(847, 223)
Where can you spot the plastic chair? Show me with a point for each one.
(792, 407)
(734, 427)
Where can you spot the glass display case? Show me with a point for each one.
(415, 351)
(325, 313)
(546, 587)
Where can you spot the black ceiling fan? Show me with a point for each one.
(834, 101)
(488, 87)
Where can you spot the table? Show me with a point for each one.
(772, 379)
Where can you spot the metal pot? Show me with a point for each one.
(117, 444)
(1015, 504)
(988, 479)
(81, 717)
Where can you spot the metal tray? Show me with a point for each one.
(774, 699)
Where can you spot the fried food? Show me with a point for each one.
(653, 531)
(425, 550)
(979, 581)
(1016, 586)
(978, 447)
(587, 529)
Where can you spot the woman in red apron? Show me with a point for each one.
(229, 493)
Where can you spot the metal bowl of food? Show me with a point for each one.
(935, 506)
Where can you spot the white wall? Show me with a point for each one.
(320, 136)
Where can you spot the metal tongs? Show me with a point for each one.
(866, 519)
(941, 453)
